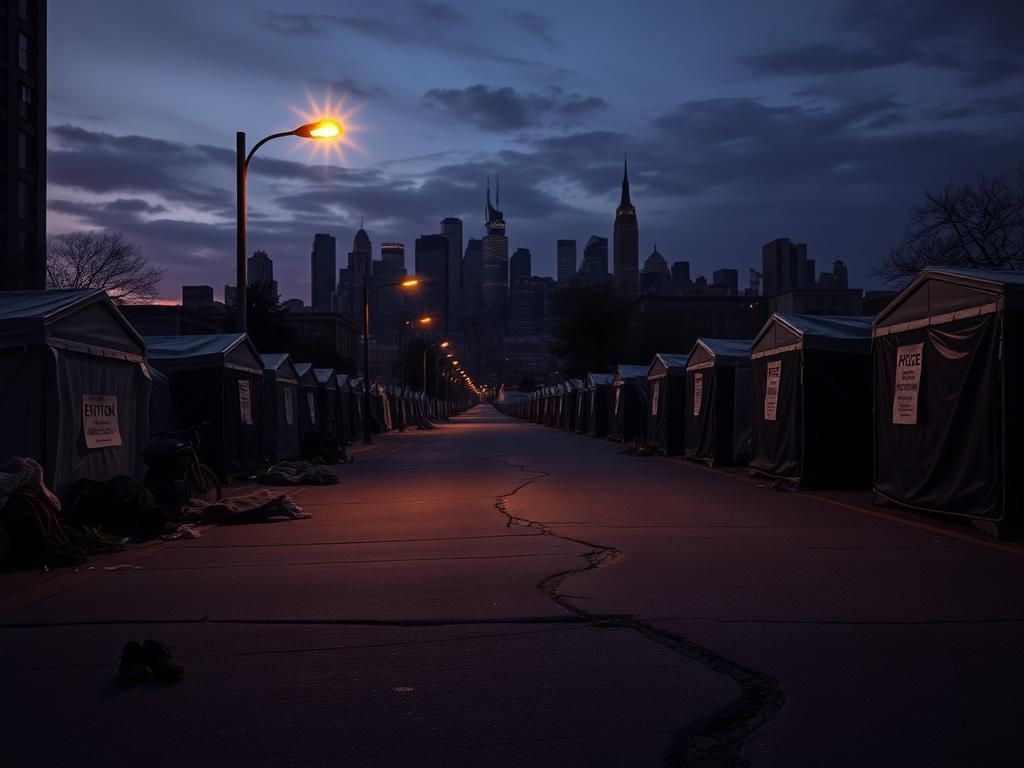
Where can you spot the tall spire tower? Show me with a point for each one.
(626, 254)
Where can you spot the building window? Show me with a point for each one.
(23, 150)
(23, 51)
(26, 207)
(23, 9)
(25, 101)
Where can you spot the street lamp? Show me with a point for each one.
(320, 130)
(426, 349)
(367, 293)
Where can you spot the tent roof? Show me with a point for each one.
(232, 350)
(666, 364)
(325, 376)
(708, 352)
(575, 384)
(943, 294)
(837, 333)
(630, 372)
(281, 364)
(342, 379)
(82, 318)
(595, 380)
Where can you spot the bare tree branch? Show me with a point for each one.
(102, 260)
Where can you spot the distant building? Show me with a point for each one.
(197, 296)
(876, 301)
(726, 281)
(322, 338)
(566, 261)
(392, 258)
(840, 276)
(451, 228)
(626, 253)
(785, 266)
(595, 259)
(495, 257)
(655, 279)
(431, 268)
(528, 303)
(230, 296)
(681, 282)
(660, 323)
(293, 305)
(261, 270)
(323, 263)
(819, 301)
(23, 127)
(520, 266)
(473, 276)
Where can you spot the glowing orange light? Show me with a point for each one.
(328, 119)
(321, 129)
(455, 361)
(444, 345)
(410, 283)
(425, 320)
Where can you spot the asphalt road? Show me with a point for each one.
(498, 593)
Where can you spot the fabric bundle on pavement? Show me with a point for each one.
(262, 506)
(298, 473)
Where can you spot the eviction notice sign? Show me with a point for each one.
(908, 384)
(99, 421)
(771, 390)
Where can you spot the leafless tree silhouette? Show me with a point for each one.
(978, 225)
(101, 260)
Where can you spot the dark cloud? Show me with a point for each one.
(533, 23)
(505, 109)
(978, 40)
(440, 12)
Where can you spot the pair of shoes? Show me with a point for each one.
(137, 660)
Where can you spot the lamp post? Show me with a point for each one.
(322, 129)
(367, 294)
(426, 349)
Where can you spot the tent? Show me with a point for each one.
(356, 404)
(216, 383)
(599, 387)
(628, 420)
(666, 384)
(812, 399)
(310, 418)
(281, 438)
(718, 401)
(948, 377)
(327, 400)
(346, 432)
(74, 384)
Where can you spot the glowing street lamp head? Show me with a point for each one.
(321, 129)
(444, 345)
(425, 320)
(410, 283)
(455, 361)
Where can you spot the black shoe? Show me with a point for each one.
(132, 670)
(159, 660)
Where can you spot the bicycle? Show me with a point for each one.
(175, 475)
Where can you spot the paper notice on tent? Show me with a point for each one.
(311, 404)
(245, 400)
(289, 407)
(618, 397)
(908, 384)
(771, 390)
(654, 397)
(99, 421)
(698, 392)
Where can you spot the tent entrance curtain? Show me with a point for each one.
(952, 459)
(777, 447)
(710, 432)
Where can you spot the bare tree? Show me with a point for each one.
(101, 260)
(978, 225)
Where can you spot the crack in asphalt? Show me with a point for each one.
(719, 739)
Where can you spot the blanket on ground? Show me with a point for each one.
(262, 506)
(297, 473)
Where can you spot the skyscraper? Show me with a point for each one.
(627, 242)
(392, 258)
(452, 229)
(655, 278)
(431, 261)
(261, 270)
(323, 266)
(473, 276)
(566, 258)
(595, 259)
(840, 275)
(23, 172)
(520, 266)
(785, 266)
(495, 262)
(360, 266)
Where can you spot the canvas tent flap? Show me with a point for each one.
(707, 352)
(84, 320)
(233, 350)
(836, 333)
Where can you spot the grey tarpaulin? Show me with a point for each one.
(216, 381)
(62, 352)
(820, 399)
(952, 442)
(282, 404)
(718, 401)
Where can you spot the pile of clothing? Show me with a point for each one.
(297, 473)
(30, 529)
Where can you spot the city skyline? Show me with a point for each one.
(779, 136)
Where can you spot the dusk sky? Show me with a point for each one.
(818, 120)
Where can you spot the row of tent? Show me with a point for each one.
(923, 402)
(82, 392)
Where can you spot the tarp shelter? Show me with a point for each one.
(599, 387)
(281, 403)
(718, 398)
(344, 408)
(356, 393)
(310, 419)
(74, 385)
(327, 400)
(216, 381)
(628, 421)
(161, 410)
(666, 417)
(948, 382)
(574, 394)
(812, 399)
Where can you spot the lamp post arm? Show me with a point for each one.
(263, 141)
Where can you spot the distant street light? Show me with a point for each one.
(320, 130)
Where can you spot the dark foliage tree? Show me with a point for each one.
(978, 225)
(102, 260)
(592, 328)
(266, 324)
